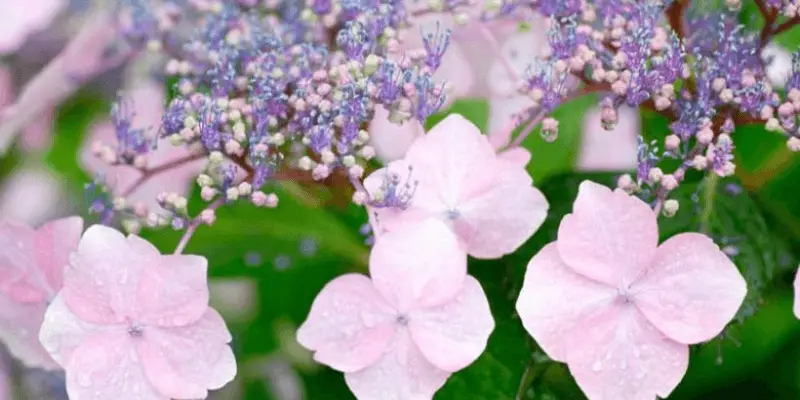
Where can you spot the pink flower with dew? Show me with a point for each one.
(614, 150)
(453, 176)
(22, 18)
(131, 323)
(399, 335)
(618, 308)
(32, 263)
(31, 195)
(148, 106)
(84, 57)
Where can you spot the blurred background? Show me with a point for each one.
(267, 265)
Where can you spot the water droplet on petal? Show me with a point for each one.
(597, 366)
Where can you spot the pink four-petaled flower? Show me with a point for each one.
(401, 334)
(31, 273)
(131, 323)
(453, 175)
(618, 308)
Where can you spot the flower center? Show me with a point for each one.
(402, 320)
(135, 330)
(452, 214)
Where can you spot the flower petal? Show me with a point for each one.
(692, 290)
(389, 139)
(402, 373)
(106, 367)
(617, 354)
(498, 220)
(515, 157)
(19, 330)
(421, 265)
(18, 263)
(62, 331)
(100, 284)
(453, 335)
(614, 150)
(55, 242)
(185, 362)
(610, 236)
(452, 157)
(349, 325)
(554, 299)
(172, 291)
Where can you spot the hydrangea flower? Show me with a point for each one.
(32, 262)
(22, 18)
(131, 323)
(400, 334)
(618, 308)
(148, 101)
(452, 175)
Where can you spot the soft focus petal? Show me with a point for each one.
(106, 367)
(501, 113)
(19, 330)
(402, 373)
(619, 355)
(554, 300)
(62, 331)
(22, 18)
(454, 334)
(419, 266)
(31, 195)
(497, 221)
(797, 294)
(185, 362)
(172, 291)
(349, 325)
(519, 51)
(692, 289)
(55, 242)
(614, 150)
(515, 157)
(610, 236)
(18, 263)
(391, 141)
(100, 284)
(779, 68)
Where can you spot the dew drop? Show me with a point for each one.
(597, 366)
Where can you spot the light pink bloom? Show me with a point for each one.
(31, 272)
(487, 200)
(399, 335)
(31, 195)
(24, 17)
(84, 57)
(614, 150)
(618, 308)
(131, 323)
(391, 141)
(148, 106)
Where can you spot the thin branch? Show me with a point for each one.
(194, 225)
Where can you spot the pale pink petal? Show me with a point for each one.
(185, 362)
(38, 136)
(391, 140)
(349, 325)
(614, 150)
(18, 264)
(421, 265)
(502, 111)
(402, 373)
(691, 290)
(520, 50)
(499, 219)
(22, 18)
(515, 157)
(55, 242)
(797, 294)
(100, 284)
(554, 299)
(19, 330)
(619, 355)
(453, 335)
(173, 291)
(105, 367)
(31, 195)
(62, 331)
(452, 158)
(610, 236)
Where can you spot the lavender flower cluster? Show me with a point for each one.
(271, 90)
